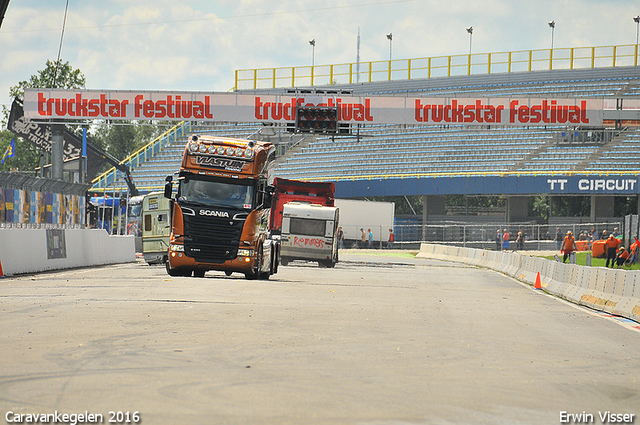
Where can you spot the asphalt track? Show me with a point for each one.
(380, 339)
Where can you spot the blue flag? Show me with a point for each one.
(11, 150)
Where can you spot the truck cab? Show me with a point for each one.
(221, 210)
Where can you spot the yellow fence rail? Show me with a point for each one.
(107, 178)
(438, 66)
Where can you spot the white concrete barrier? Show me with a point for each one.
(614, 291)
(37, 250)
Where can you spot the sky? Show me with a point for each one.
(197, 45)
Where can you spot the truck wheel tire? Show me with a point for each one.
(276, 260)
(199, 273)
(228, 272)
(172, 272)
(284, 261)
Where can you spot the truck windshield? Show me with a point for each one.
(215, 193)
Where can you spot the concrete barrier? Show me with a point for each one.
(37, 250)
(614, 291)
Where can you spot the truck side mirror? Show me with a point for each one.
(268, 196)
(168, 187)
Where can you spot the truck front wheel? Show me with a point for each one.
(255, 274)
(172, 272)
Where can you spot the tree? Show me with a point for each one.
(55, 75)
(121, 139)
(26, 155)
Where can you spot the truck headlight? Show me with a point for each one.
(245, 252)
(176, 247)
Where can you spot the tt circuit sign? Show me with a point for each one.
(509, 184)
(46, 104)
(591, 185)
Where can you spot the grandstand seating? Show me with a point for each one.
(394, 151)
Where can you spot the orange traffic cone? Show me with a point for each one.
(538, 284)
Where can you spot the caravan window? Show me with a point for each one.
(306, 227)
(147, 223)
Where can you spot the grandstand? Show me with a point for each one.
(396, 159)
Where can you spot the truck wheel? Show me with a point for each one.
(255, 274)
(265, 275)
(172, 272)
(284, 261)
(199, 273)
(276, 260)
(228, 272)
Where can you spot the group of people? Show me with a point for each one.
(590, 236)
(366, 239)
(615, 253)
(502, 240)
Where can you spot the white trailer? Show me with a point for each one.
(356, 215)
(155, 228)
(309, 232)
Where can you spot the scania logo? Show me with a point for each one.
(211, 213)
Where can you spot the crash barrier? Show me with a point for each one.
(37, 250)
(614, 291)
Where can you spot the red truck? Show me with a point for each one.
(303, 215)
(299, 191)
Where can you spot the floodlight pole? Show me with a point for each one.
(313, 52)
(470, 31)
(313, 56)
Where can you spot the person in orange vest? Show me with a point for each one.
(612, 248)
(568, 246)
(633, 250)
(622, 257)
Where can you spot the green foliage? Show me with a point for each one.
(118, 139)
(55, 75)
(581, 260)
(624, 205)
(121, 139)
(539, 206)
(26, 155)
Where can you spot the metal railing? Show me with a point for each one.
(539, 237)
(438, 66)
(103, 181)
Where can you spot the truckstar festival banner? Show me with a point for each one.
(44, 104)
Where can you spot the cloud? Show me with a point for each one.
(198, 45)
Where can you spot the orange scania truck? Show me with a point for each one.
(220, 212)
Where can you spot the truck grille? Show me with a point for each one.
(211, 239)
